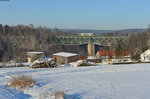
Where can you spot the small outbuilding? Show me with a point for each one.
(63, 58)
(145, 56)
(34, 55)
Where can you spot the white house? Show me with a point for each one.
(145, 57)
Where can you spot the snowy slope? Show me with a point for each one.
(100, 82)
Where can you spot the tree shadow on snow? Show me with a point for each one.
(8, 93)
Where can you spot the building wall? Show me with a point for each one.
(97, 56)
(33, 57)
(115, 60)
(145, 57)
(61, 60)
(73, 59)
(65, 60)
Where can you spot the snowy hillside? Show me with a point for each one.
(99, 82)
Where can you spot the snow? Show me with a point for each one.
(97, 82)
(91, 57)
(13, 64)
(35, 52)
(78, 63)
(65, 54)
(7, 93)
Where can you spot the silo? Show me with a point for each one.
(32, 56)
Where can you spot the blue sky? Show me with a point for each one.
(77, 14)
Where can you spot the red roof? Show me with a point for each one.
(113, 53)
(82, 57)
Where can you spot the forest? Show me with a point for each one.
(16, 41)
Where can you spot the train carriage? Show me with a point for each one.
(86, 34)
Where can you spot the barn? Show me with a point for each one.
(63, 58)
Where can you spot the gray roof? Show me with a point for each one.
(65, 54)
(35, 52)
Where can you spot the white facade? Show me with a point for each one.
(145, 57)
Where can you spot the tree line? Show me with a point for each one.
(135, 44)
(15, 41)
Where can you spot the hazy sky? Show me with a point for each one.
(77, 14)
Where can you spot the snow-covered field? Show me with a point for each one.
(99, 82)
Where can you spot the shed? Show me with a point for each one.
(34, 55)
(63, 58)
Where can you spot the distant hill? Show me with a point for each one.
(131, 30)
(104, 31)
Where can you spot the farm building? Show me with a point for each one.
(63, 58)
(32, 56)
(107, 57)
(145, 57)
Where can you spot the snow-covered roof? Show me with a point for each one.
(65, 54)
(35, 52)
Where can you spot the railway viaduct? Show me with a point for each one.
(90, 40)
(79, 40)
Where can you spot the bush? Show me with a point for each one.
(57, 95)
(21, 82)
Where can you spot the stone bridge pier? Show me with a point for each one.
(91, 49)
